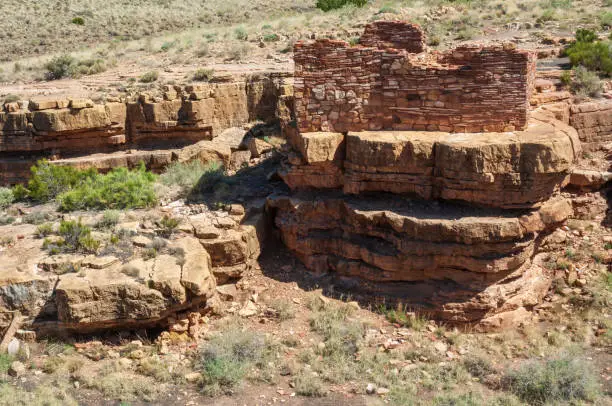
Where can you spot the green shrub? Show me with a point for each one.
(48, 181)
(554, 381)
(226, 359)
(327, 5)
(272, 37)
(241, 33)
(592, 54)
(88, 67)
(6, 197)
(78, 21)
(75, 237)
(167, 226)
(110, 218)
(118, 189)
(44, 230)
(203, 75)
(60, 67)
(149, 77)
(11, 98)
(586, 83)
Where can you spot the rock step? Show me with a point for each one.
(439, 249)
(510, 170)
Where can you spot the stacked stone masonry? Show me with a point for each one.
(394, 34)
(343, 88)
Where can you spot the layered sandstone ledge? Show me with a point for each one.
(508, 170)
(87, 293)
(153, 127)
(453, 262)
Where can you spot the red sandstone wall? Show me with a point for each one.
(394, 34)
(593, 121)
(468, 89)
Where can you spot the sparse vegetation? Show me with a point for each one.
(6, 197)
(565, 379)
(328, 5)
(203, 74)
(74, 237)
(110, 218)
(226, 359)
(167, 226)
(149, 77)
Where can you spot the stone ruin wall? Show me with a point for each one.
(177, 117)
(394, 34)
(468, 89)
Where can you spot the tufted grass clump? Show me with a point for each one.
(555, 381)
(74, 237)
(149, 77)
(228, 357)
(203, 75)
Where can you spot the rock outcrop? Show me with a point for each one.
(593, 121)
(514, 169)
(176, 124)
(424, 178)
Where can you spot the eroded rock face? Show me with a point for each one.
(461, 264)
(593, 121)
(517, 169)
(176, 124)
(138, 293)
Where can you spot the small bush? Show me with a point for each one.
(110, 218)
(59, 67)
(11, 98)
(342, 336)
(328, 5)
(6, 197)
(241, 34)
(44, 230)
(227, 358)
(203, 75)
(167, 226)
(118, 189)
(48, 181)
(553, 381)
(75, 237)
(478, 366)
(283, 308)
(592, 54)
(271, 37)
(37, 217)
(308, 384)
(400, 315)
(78, 21)
(586, 83)
(187, 175)
(149, 77)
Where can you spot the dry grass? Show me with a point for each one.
(156, 35)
